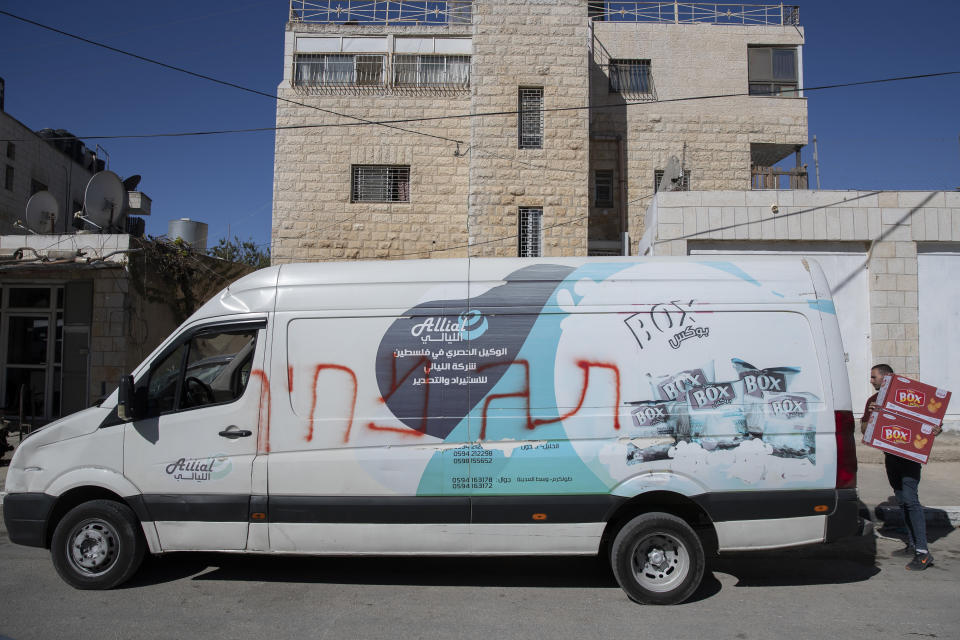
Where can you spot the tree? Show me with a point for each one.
(241, 251)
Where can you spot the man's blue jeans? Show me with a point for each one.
(904, 477)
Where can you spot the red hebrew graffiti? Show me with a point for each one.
(395, 383)
(263, 439)
(353, 401)
(533, 423)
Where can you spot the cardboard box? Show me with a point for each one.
(899, 435)
(913, 399)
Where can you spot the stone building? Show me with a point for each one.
(30, 163)
(526, 128)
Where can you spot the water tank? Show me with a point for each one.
(192, 232)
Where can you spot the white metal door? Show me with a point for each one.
(940, 322)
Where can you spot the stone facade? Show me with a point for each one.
(468, 178)
(712, 137)
(31, 161)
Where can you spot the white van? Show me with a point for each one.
(644, 409)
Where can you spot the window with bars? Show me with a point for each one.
(630, 77)
(530, 232)
(682, 185)
(338, 69)
(431, 71)
(773, 71)
(530, 118)
(380, 183)
(603, 188)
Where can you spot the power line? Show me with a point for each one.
(393, 122)
(210, 79)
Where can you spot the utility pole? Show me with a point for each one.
(816, 162)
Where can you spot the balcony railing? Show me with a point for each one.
(694, 12)
(382, 12)
(773, 178)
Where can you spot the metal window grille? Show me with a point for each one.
(380, 183)
(603, 188)
(529, 236)
(530, 118)
(337, 69)
(631, 77)
(431, 71)
(682, 185)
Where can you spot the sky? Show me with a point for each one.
(902, 135)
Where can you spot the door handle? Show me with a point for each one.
(233, 433)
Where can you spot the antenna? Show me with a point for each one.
(104, 202)
(42, 212)
(672, 176)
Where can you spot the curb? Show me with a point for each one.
(891, 515)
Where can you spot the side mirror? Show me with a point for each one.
(127, 404)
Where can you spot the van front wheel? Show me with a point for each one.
(658, 559)
(97, 545)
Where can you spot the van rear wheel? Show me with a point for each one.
(658, 559)
(97, 545)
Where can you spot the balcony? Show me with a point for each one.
(694, 13)
(383, 12)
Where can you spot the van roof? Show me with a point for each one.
(258, 291)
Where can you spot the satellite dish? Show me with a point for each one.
(104, 201)
(672, 176)
(42, 211)
(130, 183)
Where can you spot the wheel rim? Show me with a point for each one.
(92, 547)
(660, 562)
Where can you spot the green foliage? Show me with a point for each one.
(242, 251)
(172, 273)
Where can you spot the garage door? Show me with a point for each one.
(847, 276)
(937, 269)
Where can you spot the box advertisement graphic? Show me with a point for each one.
(913, 399)
(900, 435)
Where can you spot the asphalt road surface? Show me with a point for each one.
(853, 589)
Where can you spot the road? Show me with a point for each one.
(853, 589)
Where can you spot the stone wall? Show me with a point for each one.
(470, 194)
(529, 44)
(35, 159)
(711, 136)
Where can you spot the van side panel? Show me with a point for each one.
(548, 382)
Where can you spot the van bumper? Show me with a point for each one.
(844, 521)
(25, 517)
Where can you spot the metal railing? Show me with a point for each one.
(694, 12)
(380, 12)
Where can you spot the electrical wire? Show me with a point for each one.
(209, 79)
(362, 122)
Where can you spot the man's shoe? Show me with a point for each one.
(920, 562)
(906, 552)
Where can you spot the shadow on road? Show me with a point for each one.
(843, 562)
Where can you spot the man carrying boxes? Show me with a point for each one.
(902, 419)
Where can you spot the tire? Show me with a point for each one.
(658, 559)
(97, 545)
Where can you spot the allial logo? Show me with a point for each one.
(896, 434)
(910, 398)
